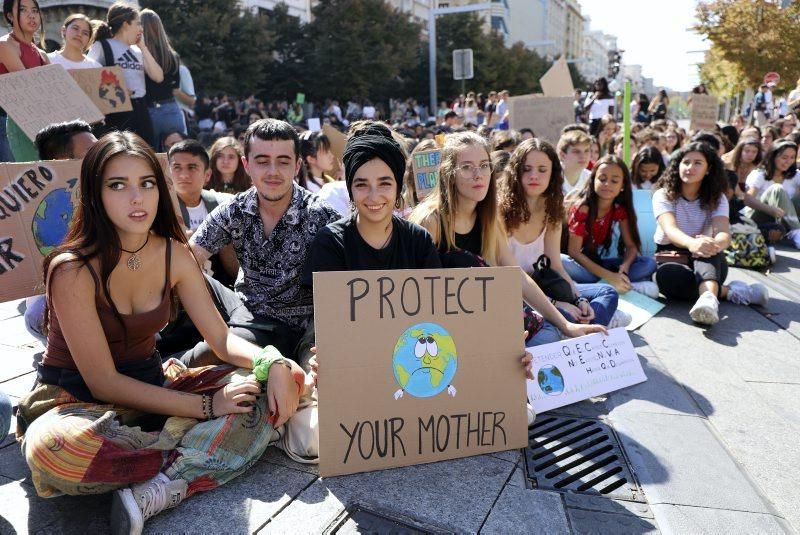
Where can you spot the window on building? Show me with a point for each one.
(499, 24)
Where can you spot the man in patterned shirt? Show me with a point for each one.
(271, 226)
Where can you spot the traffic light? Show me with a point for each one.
(614, 62)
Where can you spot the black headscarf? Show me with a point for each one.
(367, 146)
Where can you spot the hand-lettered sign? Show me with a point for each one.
(572, 370)
(35, 98)
(418, 366)
(704, 110)
(37, 203)
(105, 87)
(425, 165)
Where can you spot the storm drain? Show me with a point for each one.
(357, 519)
(578, 455)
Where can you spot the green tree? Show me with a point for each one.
(224, 47)
(361, 47)
(758, 36)
(285, 72)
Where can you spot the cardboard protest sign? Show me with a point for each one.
(105, 87)
(425, 165)
(37, 203)
(418, 366)
(546, 116)
(704, 109)
(640, 307)
(557, 81)
(35, 98)
(572, 370)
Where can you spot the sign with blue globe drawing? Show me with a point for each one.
(52, 217)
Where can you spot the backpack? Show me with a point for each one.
(761, 102)
(748, 248)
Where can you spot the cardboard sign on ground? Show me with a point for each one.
(35, 98)
(557, 81)
(37, 203)
(704, 109)
(106, 87)
(572, 370)
(546, 116)
(418, 366)
(426, 171)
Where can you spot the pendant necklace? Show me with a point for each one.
(134, 262)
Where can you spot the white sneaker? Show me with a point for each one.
(706, 309)
(131, 506)
(648, 288)
(741, 293)
(773, 257)
(619, 319)
(531, 415)
(794, 235)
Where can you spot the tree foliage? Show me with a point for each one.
(758, 36)
(722, 77)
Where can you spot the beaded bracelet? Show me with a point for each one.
(208, 407)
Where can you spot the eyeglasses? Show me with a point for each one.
(468, 170)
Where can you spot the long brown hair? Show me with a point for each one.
(118, 14)
(8, 10)
(158, 42)
(442, 203)
(91, 233)
(72, 18)
(241, 181)
(512, 199)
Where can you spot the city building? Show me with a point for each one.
(55, 12)
(595, 53)
(497, 18)
(553, 28)
(298, 8)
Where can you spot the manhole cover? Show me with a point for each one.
(579, 455)
(357, 519)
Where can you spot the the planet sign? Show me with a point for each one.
(424, 361)
(51, 219)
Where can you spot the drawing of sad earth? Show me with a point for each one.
(425, 361)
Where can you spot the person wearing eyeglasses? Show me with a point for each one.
(462, 217)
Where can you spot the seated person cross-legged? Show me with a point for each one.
(153, 432)
(693, 231)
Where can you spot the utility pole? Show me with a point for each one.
(434, 12)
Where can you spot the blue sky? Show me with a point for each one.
(654, 34)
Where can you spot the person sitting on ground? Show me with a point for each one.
(648, 165)
(270, 227)
(171, 138)
(109, 288)
(606, 200)
(58, 141)
(776, 184)
(315, 150)
(743, 159)
(461, 215)
(693, 230)
(531, 202)
(574, 150)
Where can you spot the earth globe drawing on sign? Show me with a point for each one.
(550, 380)
(425, 361)
(52, 217)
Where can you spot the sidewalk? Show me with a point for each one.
(706, 445)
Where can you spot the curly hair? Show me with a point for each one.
(512, 199)
(714, 184)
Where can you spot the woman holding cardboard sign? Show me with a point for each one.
(461, 215)
(90, 425)
(17, 53)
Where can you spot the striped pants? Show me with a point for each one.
(76, 448)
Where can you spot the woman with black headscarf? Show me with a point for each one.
(372, 237)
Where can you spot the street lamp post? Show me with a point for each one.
(434, 12)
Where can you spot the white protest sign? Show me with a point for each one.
(545, 115)
(314, 124)
(579, 368)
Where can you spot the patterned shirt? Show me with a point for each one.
(270, 267)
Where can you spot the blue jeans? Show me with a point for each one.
(5, 147)
(546, 335)
(166, 118)
(34, 316)
(641, 269)
(603, 299)
(5, 415)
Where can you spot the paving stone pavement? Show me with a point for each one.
(710, 437)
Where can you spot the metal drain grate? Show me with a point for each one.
(357, 519)
(578, 455)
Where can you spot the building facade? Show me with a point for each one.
(595, 52)
(297, 8)
(55, 12)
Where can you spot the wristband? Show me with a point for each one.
(264, 360)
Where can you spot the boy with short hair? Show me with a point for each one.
(574, 150)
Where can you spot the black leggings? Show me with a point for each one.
(679, 281)
(137, 121)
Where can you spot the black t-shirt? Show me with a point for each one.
(157, 92)
(340, 247)
(468, 248)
